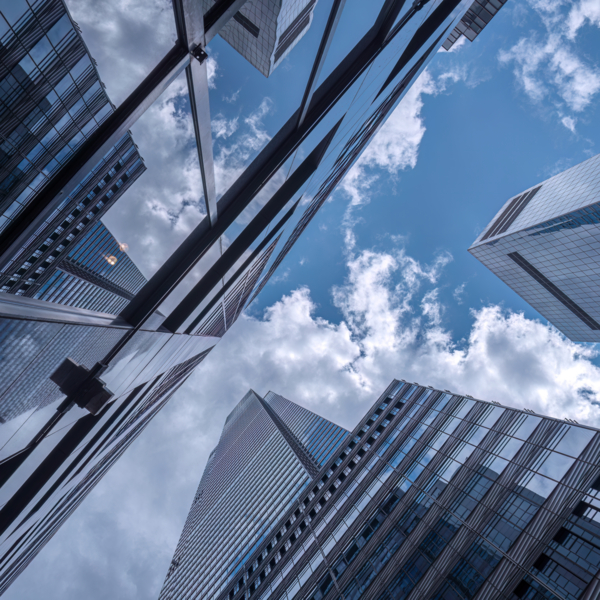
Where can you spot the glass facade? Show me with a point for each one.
(434, 495)
(51, 101)
(93, 444)
(96, 274)
(544, 245)
(268, 453)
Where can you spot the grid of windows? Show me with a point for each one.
(556, 243)
(437, 496)
(51, 100)
(252, 477)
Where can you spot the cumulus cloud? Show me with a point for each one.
(549, 67)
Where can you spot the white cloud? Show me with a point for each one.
(395, 147)
(126, 38)
(580, 14)
(167, 201)
(548, 66)
(230, 160)
(233, 98)
(222, 127)
(569, 123)
(459, 293)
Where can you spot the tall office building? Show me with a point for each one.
(77, 385)
(433, 495)
(269, 452)
(265, 31)
(545, 244)
(51, 101)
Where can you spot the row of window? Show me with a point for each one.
(312, 504)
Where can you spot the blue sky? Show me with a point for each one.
(381, 284)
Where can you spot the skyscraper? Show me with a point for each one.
(265, 31)
(544, 243)
(77, 385)
(52, 100)
(433, 495)
(269, 451)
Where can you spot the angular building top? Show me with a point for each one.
(265, 31)
(269, 451)
(434, 495)
(545, 244)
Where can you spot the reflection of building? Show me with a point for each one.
(52, 100)
(265, 31)
(95, 274)
(545, 244)
(69, 470)
(480, 13)
(433, 495)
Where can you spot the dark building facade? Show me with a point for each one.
(433, 495)
(51, 101)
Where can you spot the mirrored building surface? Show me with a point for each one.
(545, 244)
(265, 31)
(433, 495)
(51, 101)
(90, 351)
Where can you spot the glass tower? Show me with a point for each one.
(265, 31)
(434, 495)
(544, 243)
(51, 101)
(270, 449)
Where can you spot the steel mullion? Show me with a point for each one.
(197, 79)
(332, 22)
(264, 166)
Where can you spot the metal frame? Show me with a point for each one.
(250, 233)
(194, 30)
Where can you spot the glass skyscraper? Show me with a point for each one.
(545, 244)
(434, 495)
(269, 452)
(51, 101)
